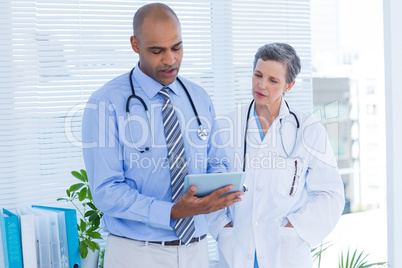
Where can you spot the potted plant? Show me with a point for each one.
(357, 260)
(88, 225)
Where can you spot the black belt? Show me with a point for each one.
(170, 243)
(178, 242)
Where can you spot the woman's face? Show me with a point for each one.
(269, 82)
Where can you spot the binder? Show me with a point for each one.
(58, 236)
(28, 238)
(11, 239)
(1, 251)
(42, 228)
(54, 237)
(70, 219)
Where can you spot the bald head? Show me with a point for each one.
(156, 12)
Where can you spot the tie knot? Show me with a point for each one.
(164, 92)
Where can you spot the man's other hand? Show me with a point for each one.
(189, 205)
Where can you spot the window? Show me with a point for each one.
(351, 75)
(55, 54)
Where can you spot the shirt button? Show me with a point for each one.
(250, 257)
(256, 223)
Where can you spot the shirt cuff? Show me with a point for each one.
(216, 224)
(160, 215)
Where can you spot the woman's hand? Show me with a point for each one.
(289, 225)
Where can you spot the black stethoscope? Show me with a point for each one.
(201, 132)
(280, 132)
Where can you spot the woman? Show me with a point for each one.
(295, 195)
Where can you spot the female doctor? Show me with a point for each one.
(295, 194)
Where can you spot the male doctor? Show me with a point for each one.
(136, 166)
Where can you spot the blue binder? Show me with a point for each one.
(11, 238)
(74, 258)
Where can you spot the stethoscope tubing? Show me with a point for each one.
(246, 130)
(202, 133)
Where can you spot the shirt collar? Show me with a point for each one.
(283, 110)
(150, 86)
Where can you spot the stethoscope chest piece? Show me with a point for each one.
(202, 133)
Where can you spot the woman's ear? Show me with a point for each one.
(289, 87)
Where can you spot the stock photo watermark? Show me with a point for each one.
(112, 128)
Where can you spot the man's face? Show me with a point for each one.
(160, 49)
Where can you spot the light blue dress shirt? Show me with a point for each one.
(259, 125)
(262, 138)
(133, 189)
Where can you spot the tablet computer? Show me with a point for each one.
(207, 183)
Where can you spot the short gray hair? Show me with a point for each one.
(283, 53)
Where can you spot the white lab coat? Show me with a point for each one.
(259, 220)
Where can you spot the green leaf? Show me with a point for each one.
(318, 252)
(84, 175)
(91, 205)
(89, 194)
(356, 260)
(91, 245)
(83, 249)
(68, 192)
(62, 198)
(93, 228)
(76, 187)
(94, 234)
(89, 213)
(83, 194)
(96, 222)
(83, 226)
(78, 175)
(93, 217)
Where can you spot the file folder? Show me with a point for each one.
(11, 239)
(42, 232)
(70, 219)
(58, 234)
(54, 236)
(28, 238)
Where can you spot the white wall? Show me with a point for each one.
(393, 100)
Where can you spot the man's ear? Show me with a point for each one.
(134, 44)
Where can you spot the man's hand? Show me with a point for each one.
(189, 205)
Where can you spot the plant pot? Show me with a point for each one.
(91, 261)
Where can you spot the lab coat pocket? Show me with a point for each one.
(291, 177)
(225, 247)
(294, 251)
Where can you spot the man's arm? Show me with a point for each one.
(104, 163)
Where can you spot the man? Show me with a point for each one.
(136, 166)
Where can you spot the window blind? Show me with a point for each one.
(54, 54)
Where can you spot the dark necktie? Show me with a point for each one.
(177, 161)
